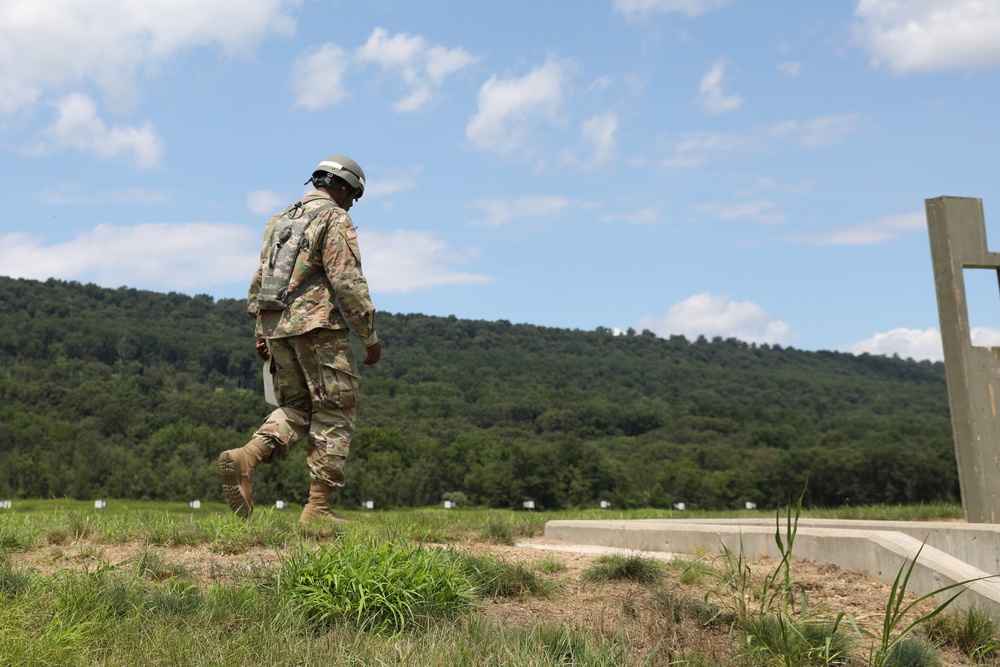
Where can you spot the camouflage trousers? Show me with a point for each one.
(316, 384)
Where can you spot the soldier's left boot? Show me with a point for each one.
(318, 507)
(237, 466)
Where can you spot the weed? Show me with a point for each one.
(549, 565)
(692, 571)
(633, 567)
(776, 593)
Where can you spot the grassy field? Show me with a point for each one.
(161, 584)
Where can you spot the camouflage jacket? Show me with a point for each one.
(340, 300)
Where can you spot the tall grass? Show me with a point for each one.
(376, 586)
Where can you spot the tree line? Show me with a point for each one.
(123, 393)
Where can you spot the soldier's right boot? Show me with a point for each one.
(318, 507)
(237, 466)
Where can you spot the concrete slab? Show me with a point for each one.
(950, 552)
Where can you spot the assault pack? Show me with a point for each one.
(287, 241)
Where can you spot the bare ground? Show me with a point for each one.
(614, 610)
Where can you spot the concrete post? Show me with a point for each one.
(958, 241)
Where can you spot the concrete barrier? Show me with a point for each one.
(950, 553)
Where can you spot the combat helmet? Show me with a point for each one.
(342, 167)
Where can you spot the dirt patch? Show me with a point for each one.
(613, 609)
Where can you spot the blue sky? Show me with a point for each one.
(718, 167)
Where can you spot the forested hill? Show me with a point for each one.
(132, 394)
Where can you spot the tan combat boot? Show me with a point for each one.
(318, 507)
(237, 466)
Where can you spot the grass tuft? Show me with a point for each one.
(549, 565)
(494, 577)
(700, 611)
(796, 642)
(377, 586)
(15, 538)
(692, 571)
(13, 583)
(497, 531)
(151, 565)
(633, 567)
(181, 600)
(973, 631)
(913, 652)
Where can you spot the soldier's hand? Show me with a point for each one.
(374, 354)
(261, 346)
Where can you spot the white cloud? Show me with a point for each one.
(421, 67)
(55, 45)
(694, 149)
(827, 130)
(710, 94)
(638, 8)
(500, 211)
(78, 126)
(600, 83)
(907, 343)
(395, 182)
(713, 315)
(919, 344)
(790, 68)
(761, 210)
(508, 107)
(930, 35)
(985, 336)
(406, 261)
(266, 202)
(180, 256)
(390, 186)
(317, 77)
(600, 131)
(881, 230)
(639, 216)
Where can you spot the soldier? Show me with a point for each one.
(307, 290)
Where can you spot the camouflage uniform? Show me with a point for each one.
(316, 378)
